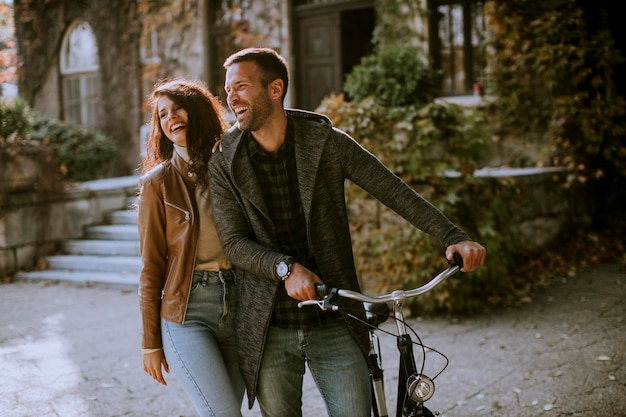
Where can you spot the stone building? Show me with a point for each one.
(92, 62)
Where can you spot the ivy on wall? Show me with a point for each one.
(551, 78)
(40, 27)
(553, 75)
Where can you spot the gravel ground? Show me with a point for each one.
(72, 350)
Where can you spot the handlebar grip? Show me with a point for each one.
(457, 260)
(321, 290)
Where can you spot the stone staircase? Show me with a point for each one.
(107, 253)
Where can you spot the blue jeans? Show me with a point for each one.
(336, 364)
(202, 352)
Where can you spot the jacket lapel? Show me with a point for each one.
(310, 139)
(243, 174)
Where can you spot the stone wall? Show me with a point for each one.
(31, 229)
(546, 207)
(542, 209)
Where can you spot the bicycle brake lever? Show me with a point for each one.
(326, 295)
(319, 303)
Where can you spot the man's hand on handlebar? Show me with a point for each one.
(473, 254)
(300, 284)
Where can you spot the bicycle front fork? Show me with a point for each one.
(413, 388)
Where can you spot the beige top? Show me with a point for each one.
(209, 254)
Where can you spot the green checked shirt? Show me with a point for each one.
(277, 177)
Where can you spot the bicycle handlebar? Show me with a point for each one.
(322, 290)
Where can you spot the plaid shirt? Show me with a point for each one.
(277, 177)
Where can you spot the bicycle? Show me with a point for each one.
(414, 388)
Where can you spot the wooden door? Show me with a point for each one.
(318, 59)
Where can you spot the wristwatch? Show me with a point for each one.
(283, 269)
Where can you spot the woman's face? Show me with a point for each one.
(173, 120)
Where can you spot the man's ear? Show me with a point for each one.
(276, 88)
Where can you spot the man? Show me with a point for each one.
(277, 188)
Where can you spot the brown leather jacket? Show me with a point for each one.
(168, 234)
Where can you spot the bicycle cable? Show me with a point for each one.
(417, 342)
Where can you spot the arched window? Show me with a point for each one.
(80, 78)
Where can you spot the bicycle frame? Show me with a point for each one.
(413, 388)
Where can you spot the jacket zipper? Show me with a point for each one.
(187, 213)
(187, 218)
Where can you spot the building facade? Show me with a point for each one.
(98, 66)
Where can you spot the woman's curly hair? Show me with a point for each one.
(205, 124)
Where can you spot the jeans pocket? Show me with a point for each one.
(195, 285)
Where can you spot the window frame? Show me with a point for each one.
(473, 57)
(85, 95)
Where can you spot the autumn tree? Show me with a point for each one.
(7, 46)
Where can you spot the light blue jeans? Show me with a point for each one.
(202, 352)
(336, 364)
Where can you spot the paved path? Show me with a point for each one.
(70, 350)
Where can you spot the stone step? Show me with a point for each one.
(107, 253)
(101, 247)
(131, 202)
(118, 278)
(112, 232)
(120, 264)
(123, 217)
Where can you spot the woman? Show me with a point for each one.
(187, 293)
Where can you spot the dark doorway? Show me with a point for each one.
(331, 39)
(357, 28)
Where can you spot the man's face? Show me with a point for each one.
(247, 98)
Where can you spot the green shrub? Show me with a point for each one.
(15, 118)
(416, 142)
(419, 144)
(554, 75)
(395, 76)
(82, 154)
(25, 165)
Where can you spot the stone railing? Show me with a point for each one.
(543, 207)
(31, 229)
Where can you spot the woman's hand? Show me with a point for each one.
(152, 363)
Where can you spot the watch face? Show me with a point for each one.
(282, 269)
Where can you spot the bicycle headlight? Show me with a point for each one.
(420, 388)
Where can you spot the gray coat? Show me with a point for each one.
(325, 158)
